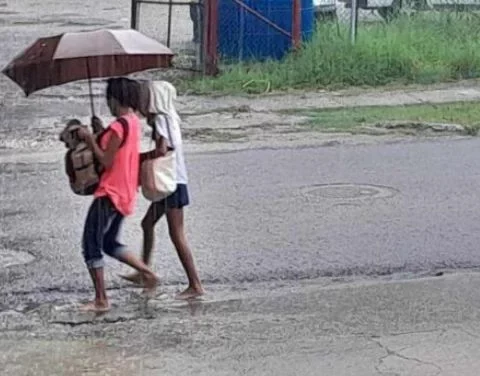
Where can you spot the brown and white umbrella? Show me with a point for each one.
(86, 55)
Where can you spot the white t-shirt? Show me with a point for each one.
(176, 142)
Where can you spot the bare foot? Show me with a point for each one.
(135, 278)
(150, 282)
(95, 307)
(190, 293)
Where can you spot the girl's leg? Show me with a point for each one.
(100, 304)
(153, 215)
(177, 235)
(95, 224)
(147, 275)
(115, 249)
(99, 284)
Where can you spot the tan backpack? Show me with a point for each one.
(81, 165)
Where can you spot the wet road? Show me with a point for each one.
(256, 215)
(265, 215)
(276, 234)
(264, 225)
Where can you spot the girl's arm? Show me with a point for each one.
(105, 157)
(160, 142)
(96, 124)
(159, 151)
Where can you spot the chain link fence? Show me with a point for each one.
(256, 31)
(252, 31)
(397, 39)
(369, 12)
(178, 24)
(344, 12)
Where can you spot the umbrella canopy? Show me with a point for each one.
(78, 56)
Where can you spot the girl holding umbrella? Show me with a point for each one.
(115, 197)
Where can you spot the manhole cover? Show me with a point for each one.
(350, 191)
(9, 258)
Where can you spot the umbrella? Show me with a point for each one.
(85, 55)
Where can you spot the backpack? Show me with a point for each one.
(82, 167)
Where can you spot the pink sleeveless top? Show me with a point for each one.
(120, 182)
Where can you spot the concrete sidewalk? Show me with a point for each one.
(422, 327)
(224, 123)
(276, 120)
(408, 95)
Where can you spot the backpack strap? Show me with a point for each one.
(125, 126)
(124, 123)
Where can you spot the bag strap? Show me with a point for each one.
(167, 119)
(154, 131)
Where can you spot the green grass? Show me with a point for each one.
(424, 48)
(463, 113)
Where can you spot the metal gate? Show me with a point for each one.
(191, 28)
(216, 24)
(176, 23)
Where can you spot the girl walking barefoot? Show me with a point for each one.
(163, 118)
(118, 153)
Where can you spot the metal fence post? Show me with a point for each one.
(169, 26)
(200, 50)
(134, 14)
(211, 37)
(296, 24)
(353, 21)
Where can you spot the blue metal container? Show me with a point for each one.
(243, 36)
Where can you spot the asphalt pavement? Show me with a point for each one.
(270, 215)
(344, 259)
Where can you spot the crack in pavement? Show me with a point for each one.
(225, 110)
(57, 289)
(467, 332)
(397, 354)
(117, 320)
(440, 332)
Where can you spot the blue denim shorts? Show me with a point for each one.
(100, 234)
(177, 199)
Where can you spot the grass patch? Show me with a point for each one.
(347, 120)
(424, 48)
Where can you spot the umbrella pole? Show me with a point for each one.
(92, 105)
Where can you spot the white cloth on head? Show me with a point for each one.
(162, 97)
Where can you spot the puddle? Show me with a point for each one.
(25, 168)
(11, 213)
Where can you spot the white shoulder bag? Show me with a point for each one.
(159, 176)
